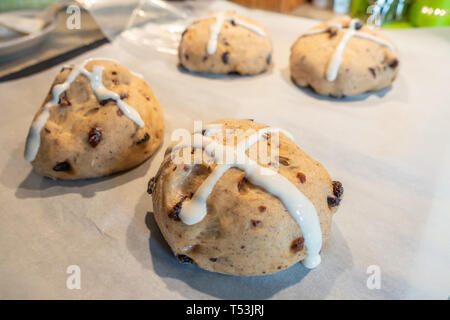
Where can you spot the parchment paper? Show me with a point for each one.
(390, 149)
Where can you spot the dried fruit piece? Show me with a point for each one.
(184, 259)
(358, 25)
(256, 223)
(372, 71)
(332, 33)
(338, 189)
(151, 185)
(262, 208)
(242, 182)
(297, 244)
(333, 201)
(62, 166)
(64, 100)
(144, 139)
(394, 64)
(95, 136)
(283, 160)
(106, 101)
(301, 176)
(226, 57)
(175, 214)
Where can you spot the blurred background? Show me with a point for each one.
(37, 34)
(392, 13)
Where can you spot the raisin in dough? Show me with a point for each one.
(243, 45)
(246, 229)
(86, 134)
(368, 62)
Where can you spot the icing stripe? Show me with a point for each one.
(217, 26)
(214, 33)
(95, 77)
(104, 94)
(377, 40)
(248, 26)
(298, 205)
(336, 59)
(318, 31)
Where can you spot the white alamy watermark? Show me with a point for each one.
(213, 144)
(74, 279)
(73, 21)
(374, 279)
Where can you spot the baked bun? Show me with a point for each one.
(224, 43)
(97, 119)
(343, 57)
(239, 221)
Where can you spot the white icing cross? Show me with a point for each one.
(302, 210)
(95, 77)
(336, 59)
(217, 26)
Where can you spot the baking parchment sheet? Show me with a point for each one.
(390, 150)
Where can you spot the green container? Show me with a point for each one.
(358, 8)
(430, 13)
(418, 13)
(382, 11)
(6, 5)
